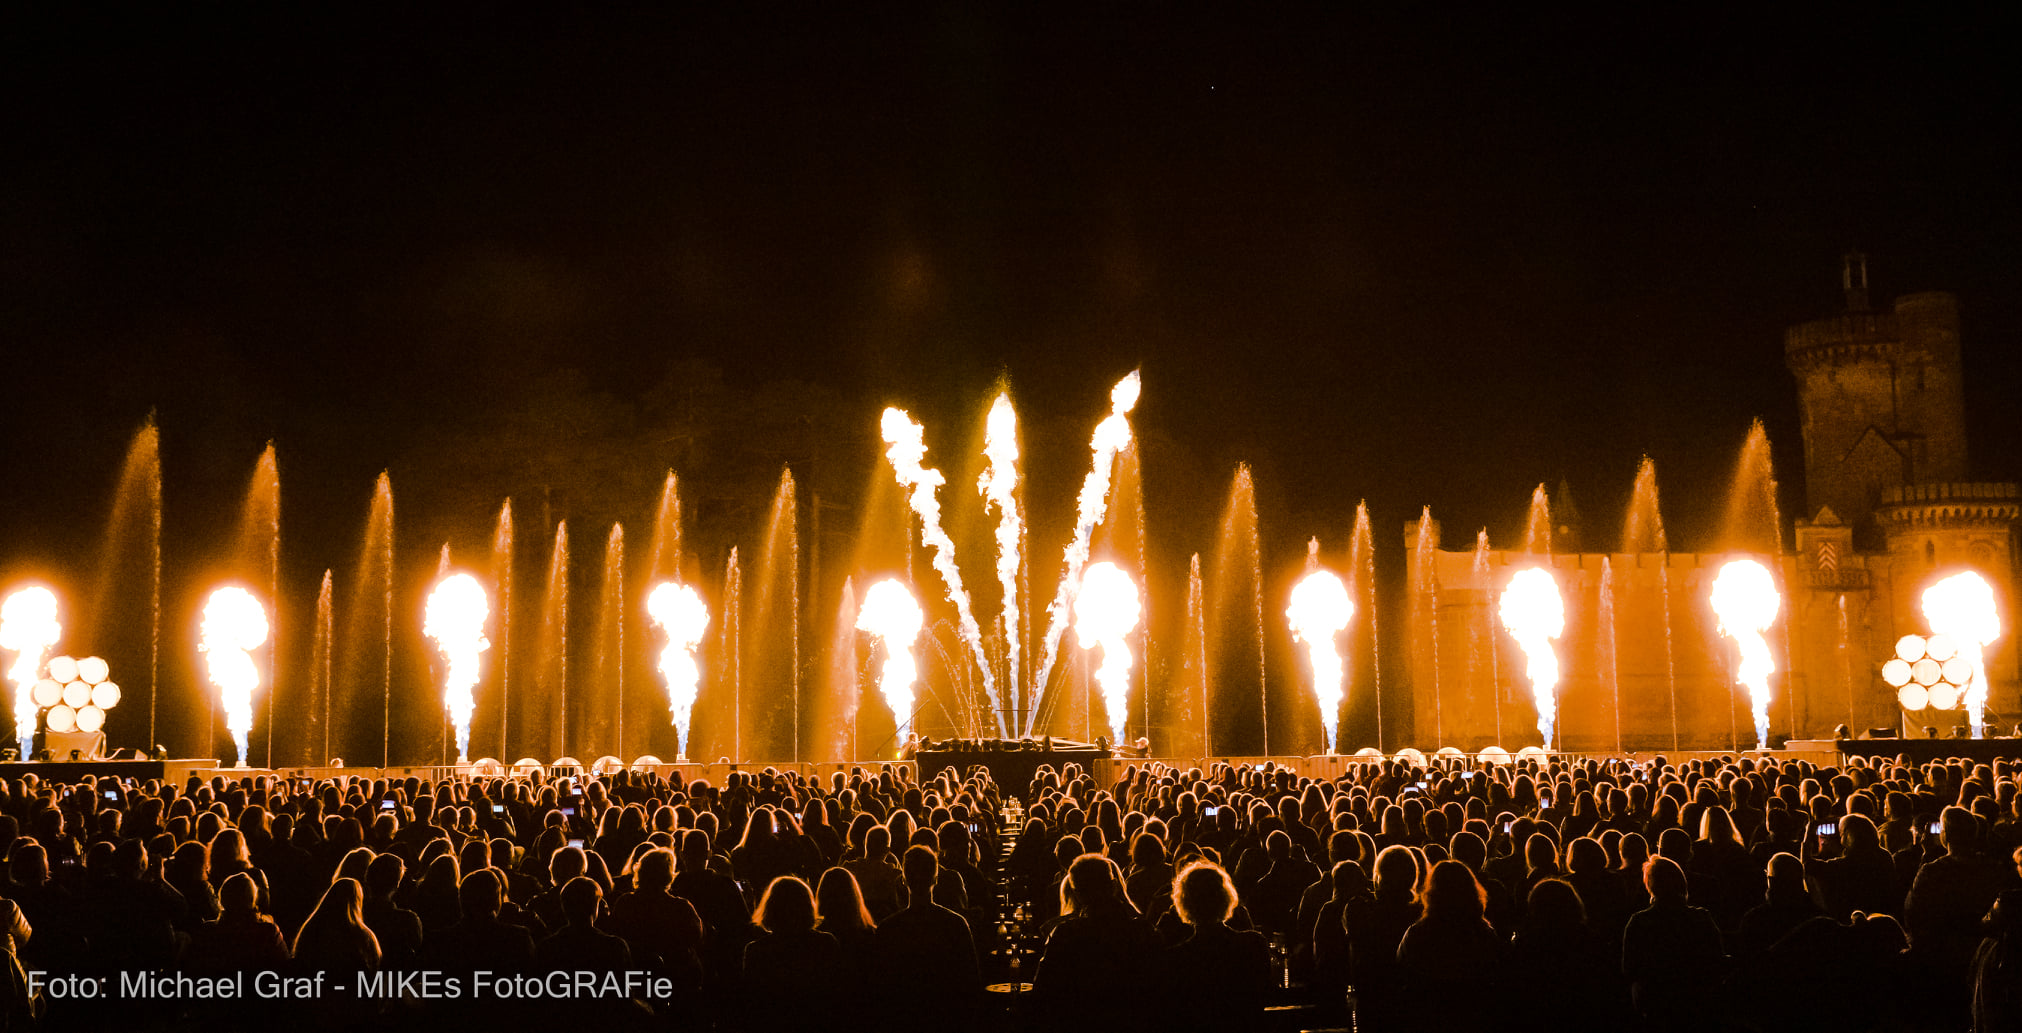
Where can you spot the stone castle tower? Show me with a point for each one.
(1881, 399)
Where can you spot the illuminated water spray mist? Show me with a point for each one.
(1745, 598)
(1105, 613)
(455, 619)
(999, 486)
(890, 613)
(1534, 615)
(683, 615)
(907, 448)
(1321, 610)
(234, 625)
(1112, 435)
(1962, 606)
(28, 626)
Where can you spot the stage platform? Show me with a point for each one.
(1921, 750)
(1009, 766)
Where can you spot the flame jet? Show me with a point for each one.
(1106, 611)
(1112, 435)
(234, 625)
(1534, 615)
(1321, 610)
(1962, 606)
(908, 448)
(455, 618)
(1745, 598)
(999, 487)
(890, 613)
(28, 626)
(683, 615)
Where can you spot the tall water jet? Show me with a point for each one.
(1962, 607)
(1236, 605)
(29, 627)
(1482, 640)
(371, 620)
(1111, 435)
(1643, 532)
(733, 652)
(1106, 611)
(684, 617)
(1755, 521)
(258, 560)
(1535, 615)
(1538, 525)
(663, 559)
(1746, 600)
(1362, 588)
(1192, 690)
(842, 693)
(999, 487)
(890, 613)
(1319, 612)
(1611, 665)
(455, 618)
(321, 666)
(133, 539)
(1643, 528)
(554, 665)
(502, 575)
(605, 723)
(774, 674)
(907, 447)
(234, 625)
(1425, 604)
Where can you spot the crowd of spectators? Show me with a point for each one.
(1577, 895)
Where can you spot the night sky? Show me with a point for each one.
(1414, 257)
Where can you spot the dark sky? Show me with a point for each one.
(1418, 257)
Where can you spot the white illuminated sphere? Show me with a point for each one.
(47, 693)
(62, 718)
(105, 695)
(76, 694)
(90, 719)
(63, 668)
(92, 670)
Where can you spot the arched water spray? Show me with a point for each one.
(608, 720)
(1481, 640)
(1111, 435)
(131, 555)
(1425, 600)
(1643, 532)
(1194, 684)
(907, 449)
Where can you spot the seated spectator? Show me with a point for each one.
(1671, 952)
(1451, 958)
(928, 954)
(1217, 977)
(794, 970)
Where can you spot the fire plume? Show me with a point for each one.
(1962, 606)
(1534, 615)
(1321, 610)
(1105, 613)
(890, 613)
(683, 615)
(455, 619)
(1745, 598)
(234, 625)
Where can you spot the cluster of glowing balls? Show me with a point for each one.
(76, 693)
(1928, 672)
(1746, 600)
(455, 619)
(1961, 609)
(28, 626)
(907, 450)
(1105, 613)
(234, 625)
(1112, 435)
(1321, 610)
(890, 613)
(1534, 615)
(681, 613)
